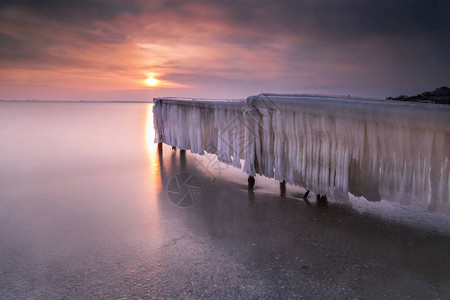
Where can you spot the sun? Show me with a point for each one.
(151, 81)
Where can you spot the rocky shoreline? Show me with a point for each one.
(439, 96)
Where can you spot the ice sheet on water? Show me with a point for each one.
(336, 145)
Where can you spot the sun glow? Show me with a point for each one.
(151, 81)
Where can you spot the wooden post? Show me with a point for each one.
(283, 188)
(160, 147)
(322, 200)
(305, 196)
(251, 183)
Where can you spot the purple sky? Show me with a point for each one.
(106, 49)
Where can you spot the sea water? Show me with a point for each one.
(87, 210)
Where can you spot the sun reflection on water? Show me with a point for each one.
(155, 160)
(155, 169)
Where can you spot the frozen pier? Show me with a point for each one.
(327, 144)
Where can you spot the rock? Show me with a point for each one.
(440, 95)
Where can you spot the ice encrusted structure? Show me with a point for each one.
(334, 145)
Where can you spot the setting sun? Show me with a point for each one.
(151, 81)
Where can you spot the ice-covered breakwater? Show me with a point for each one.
(334, 145)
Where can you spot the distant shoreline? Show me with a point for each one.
(440, 95)
(74, 101)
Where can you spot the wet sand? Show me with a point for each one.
(85, 213)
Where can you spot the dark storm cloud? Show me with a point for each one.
(9, 43)
(13, 49)
(386, 43)
(77, 10)
(345, 19)
(326, 20)
(410, 35)
(391, 46)
(39, 30)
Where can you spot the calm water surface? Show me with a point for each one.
(85, 213)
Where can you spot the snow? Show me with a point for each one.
(332, 145)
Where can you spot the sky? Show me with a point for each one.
(106, 49)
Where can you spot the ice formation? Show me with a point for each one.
(333, 145)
